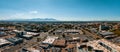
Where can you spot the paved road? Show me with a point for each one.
(91, 36)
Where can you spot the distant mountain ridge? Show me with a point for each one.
(43, 19)
(34, 19)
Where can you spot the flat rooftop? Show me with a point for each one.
(106, 33)
(14, 39)
(97, 46)
(33, 49)
(70, 46)
(3, 41)
(27, 35)
(69, 31)
(32, 33)
(59, 43)
(50, 39)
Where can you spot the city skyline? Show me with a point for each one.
(64, 10)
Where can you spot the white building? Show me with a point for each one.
(50, 39)
(4, 42)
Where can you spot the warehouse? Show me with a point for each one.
(15, 40)
(101, 45)
(50, 40)
(59, 43)
(28, 37)
(32, 33)
(107, 34)
(4, 42)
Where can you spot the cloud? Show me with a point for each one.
(33, 12)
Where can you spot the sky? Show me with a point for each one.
(64, 10)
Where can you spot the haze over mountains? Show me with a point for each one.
(34, 19)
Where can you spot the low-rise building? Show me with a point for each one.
(27, 36)
(73, 31)
(45, 46)
(107, 34)
(15, 40)
(71, 48)
(59, 43)
(101, 45)
(4, 42)
(2, 34)
(32, 33)
(19, 33)
(68, 32)
(30, 49)
(49, 40)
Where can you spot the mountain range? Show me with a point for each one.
(34, 19)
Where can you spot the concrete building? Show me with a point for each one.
(32, 33)
(68, 31)
(15, 40)
(73, 31)
(101, 45)
(59, 43)
(30, 49)
(71, 48)
(19, 33)
(2, 34)
(103, 27)
(45, 46)
(28, 37)
(4, 42)
(49, 40)
(56, 49)
(107, 34)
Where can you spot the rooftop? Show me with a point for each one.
(106, 33)
(3, 41)
(50, 39)
(32, 33)
(106, 46)
(14, 39)
(72, 30)
(70, 46)
(59, 43)
(33, 50)
(27, 35)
